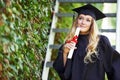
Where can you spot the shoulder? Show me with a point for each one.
(104, 39)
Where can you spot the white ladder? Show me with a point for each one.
(118, 27)
(50, 41)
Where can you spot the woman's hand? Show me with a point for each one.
(68, 46)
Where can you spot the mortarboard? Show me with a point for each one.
(90, 10)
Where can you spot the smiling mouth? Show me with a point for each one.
(83, 27)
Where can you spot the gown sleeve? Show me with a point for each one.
(58, 64)
(111, 60)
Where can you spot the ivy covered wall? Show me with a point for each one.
(24, 27)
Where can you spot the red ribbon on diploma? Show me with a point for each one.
(74, 39)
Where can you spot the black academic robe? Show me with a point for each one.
(107, 61)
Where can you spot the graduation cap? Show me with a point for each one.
(90, 10)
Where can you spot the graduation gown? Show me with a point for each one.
(107, 61)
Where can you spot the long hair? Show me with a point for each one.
(93, 42)
(72, 30)
(93, 39)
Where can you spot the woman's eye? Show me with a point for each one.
(88, 20)
(80, 18)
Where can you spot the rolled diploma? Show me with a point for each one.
(77, 32)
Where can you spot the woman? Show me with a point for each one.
(93, 55)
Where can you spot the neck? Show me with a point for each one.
(84, 33)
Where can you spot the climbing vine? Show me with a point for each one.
(24, 29)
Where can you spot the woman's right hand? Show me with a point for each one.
(68, 46)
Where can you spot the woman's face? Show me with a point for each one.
(84, 22)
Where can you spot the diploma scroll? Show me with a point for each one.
(77, 32)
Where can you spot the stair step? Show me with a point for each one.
(89, 1)
(71, 14)
(49, 64)
(66, 30)
(60, 30)
(107, 30)
(57, 46)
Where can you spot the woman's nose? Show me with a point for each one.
(83, 21)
